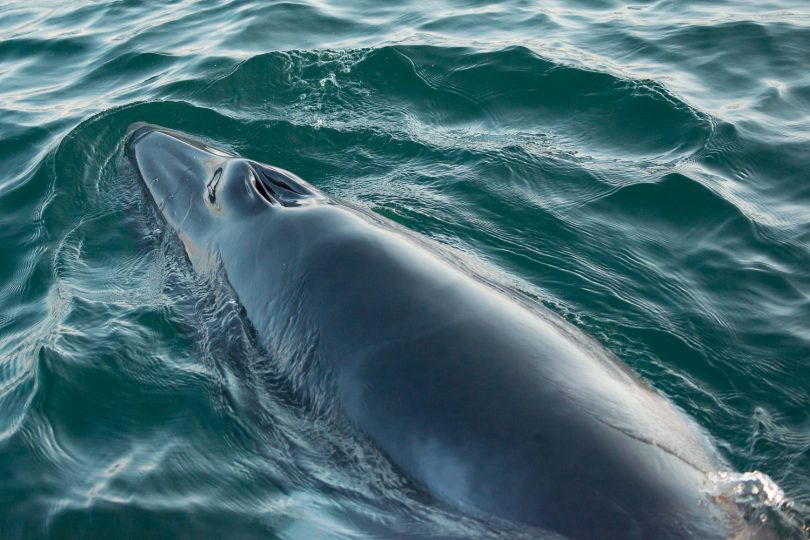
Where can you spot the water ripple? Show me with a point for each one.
(640, 168)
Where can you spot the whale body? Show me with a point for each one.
(489, 403)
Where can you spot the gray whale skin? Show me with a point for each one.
(489, 404)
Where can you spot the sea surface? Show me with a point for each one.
(640, 168)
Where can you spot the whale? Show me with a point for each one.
(484, 399)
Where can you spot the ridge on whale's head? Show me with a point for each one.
(193, 184)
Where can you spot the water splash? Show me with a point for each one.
(761, 501)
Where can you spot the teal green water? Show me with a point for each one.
(642, 169)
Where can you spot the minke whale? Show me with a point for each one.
(488, 402)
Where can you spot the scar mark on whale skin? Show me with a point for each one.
(212, 186)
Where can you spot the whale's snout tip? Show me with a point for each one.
(137, 130)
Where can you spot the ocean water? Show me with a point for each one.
(640, 168)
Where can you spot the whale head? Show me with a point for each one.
(202, 190)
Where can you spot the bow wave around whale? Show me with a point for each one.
(490, 403)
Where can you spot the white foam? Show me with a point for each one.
(753, 487)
